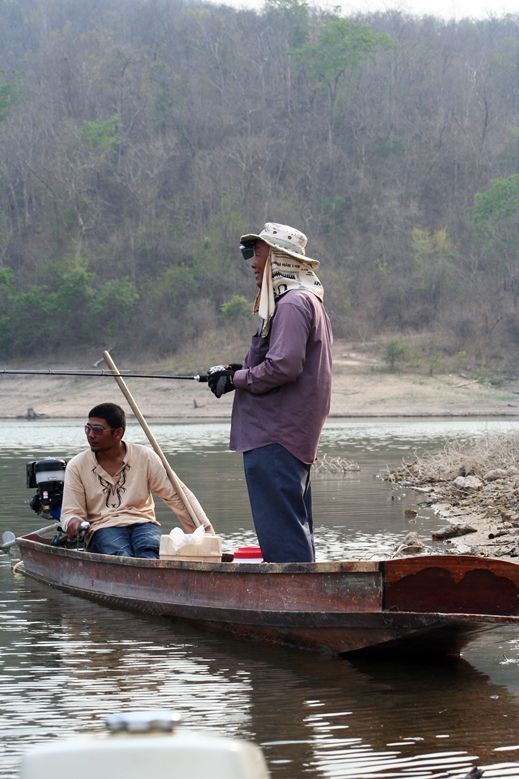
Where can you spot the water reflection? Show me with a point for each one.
(66, 663)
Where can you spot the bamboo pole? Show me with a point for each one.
(151, 438)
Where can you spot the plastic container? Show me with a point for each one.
(209, 550)
(248, 554)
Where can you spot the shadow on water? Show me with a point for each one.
(68, 663)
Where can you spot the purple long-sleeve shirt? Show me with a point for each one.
(283, 390)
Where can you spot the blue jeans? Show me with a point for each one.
(280, 496)
(131, 541)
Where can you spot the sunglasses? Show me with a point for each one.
(98, 430)
(248, 250)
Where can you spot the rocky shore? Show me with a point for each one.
(476, 490)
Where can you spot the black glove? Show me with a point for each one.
(219, 378)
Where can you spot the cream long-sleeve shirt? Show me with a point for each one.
(92, 494)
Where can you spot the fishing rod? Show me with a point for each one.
(49, 372)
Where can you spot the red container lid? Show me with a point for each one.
(248, 553)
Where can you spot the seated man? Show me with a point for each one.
(110, 486)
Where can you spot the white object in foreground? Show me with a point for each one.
(145, 744)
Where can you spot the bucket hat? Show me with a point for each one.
(282, 237)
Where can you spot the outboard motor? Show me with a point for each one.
(47, 476)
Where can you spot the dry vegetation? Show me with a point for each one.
(482, 458)
(476, 487)
(335, 465)
(390, 140)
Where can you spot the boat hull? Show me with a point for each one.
(426, 602)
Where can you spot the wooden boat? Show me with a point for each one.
(429, 602)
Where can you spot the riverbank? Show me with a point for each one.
(362, 387)
(475, 489)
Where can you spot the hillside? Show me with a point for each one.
(140, 139)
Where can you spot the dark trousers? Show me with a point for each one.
(280, 496)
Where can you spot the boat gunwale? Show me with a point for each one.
(226, 566)
(445, 618)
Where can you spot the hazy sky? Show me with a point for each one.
(445, 9)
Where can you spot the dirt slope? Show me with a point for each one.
(361, 388)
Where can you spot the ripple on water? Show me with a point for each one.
(65, 664)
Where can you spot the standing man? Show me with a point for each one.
(110, 486)
(282, 391)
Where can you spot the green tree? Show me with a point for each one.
(10, 94)
(236, 308)
(55, 310)
(113, 306)
(331, 64)
(6, 294)
(101, 136)
(178, 286)
(342, 47)
(33, 321)
(394, 350)
(495, 214)
(434, 262)
(292, 15)
(70, 305)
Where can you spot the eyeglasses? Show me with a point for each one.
(248, 250)
(98, 430)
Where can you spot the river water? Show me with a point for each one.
(66, 663)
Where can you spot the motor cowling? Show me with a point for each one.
(47, 476)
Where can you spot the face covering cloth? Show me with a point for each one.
(282, 273)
